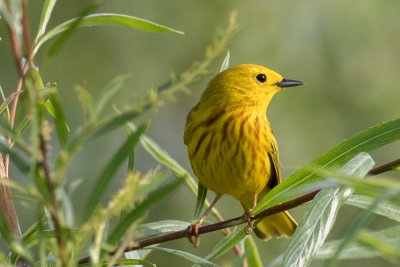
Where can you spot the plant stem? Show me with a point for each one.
(54, 211)
(8, 207)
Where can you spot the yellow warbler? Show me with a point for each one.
(231, 146)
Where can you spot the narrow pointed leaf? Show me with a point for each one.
(107, 173)
(12, 241)
(15, 157)
(137, 254)
(107, 125)
(59, 118)
(386, 208)
(227, 243)
(253, 257)
(365, 141)
(87, 100)
(162, 156)
(140, 209)
(71, 28)
(359, 221)
(131, 157)
(321, 214)
(154, 181)
(161, 227)
(187, 256)
(106, 19)
(124, 262)
(358, 249)
(225, 63)
(45, 17)
(8, 100)
(108, 92)
(201, 197)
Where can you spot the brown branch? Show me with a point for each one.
(239, 220)
(386, 167)
(16, 49)
(7, 206)
(26, 29)
(7, 202)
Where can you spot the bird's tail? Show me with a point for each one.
(277, 225)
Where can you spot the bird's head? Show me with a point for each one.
(247, 85)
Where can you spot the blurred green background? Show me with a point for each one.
(346, 51)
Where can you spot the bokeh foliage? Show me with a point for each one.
(347, 56)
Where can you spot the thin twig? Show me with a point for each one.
(54, 211)
(239, 220)
(386, 167)
(14, 42)
(14, 111)
(18, 60)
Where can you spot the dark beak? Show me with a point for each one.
(288, 83)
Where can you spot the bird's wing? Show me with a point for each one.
(275, 177)
(187, 126)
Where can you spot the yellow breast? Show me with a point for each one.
(229, 151)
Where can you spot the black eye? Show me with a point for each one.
(261, 78)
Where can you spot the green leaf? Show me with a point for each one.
(11, 12)
(59, 118)
(201, 197)
(225, 63)
(162, 157)
(153, 181)
(63, 38)
(107, 125)
(22, 126)
(367, 140)
(131, 157)
(187, 256)
(387, 242)
(226, 244)
(253, 257)
(18, 160)
(386, 208)
(161, 227)
(6, 101)
(321, 214)
(109, 91)
(15, 243)
(45, 17)
(124, 262)
(137, 254)
(107, 173)
(105, 19)
(6, 130)
(359, 221)
(87, 100)
(140, 209)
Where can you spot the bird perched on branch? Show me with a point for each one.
(231, 146)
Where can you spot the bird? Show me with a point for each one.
(231, 145)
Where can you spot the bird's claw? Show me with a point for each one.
(193, 229)
(250, 222)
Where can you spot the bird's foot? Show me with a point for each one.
(247, 216)
(193, 229)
